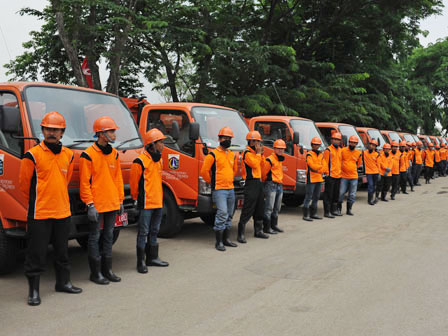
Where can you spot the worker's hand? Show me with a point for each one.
(92, 213)
(259, 148)
(121, 211)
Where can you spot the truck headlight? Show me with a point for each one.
(301, 176)
(204, 187)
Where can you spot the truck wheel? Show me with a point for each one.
(293, 201)
(172, 218)
(83, 241)
(209, 219)
(8, 253)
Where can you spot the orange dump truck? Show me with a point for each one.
(368, 133)
(22, 106)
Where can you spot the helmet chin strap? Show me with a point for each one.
(108, 139)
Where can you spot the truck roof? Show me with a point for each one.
(189, 105)
(22, 85)
(367, 128)
(279, 117)
(329, 123)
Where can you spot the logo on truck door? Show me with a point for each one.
(173, 161)
(2, 160)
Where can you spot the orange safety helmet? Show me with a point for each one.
(336, 135)
(419, 143)
(316, 141)
(430, 144)
(253, 135)
(408, 143)
(386, 146)
(53, 120)
(103, 124)
(402, 143)
(394, 144)
(373, 141)
(279, 143)
(413, 144)
(353, 138)
(438, 146)
(226, 131)
(153, 135)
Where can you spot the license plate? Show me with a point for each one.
(119, 220)
(239, 203)
(364, 179)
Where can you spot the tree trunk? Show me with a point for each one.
(92, 58)
(170, 72)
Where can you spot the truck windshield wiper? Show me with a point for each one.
(125, 142)
(77, 142)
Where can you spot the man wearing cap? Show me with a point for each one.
(417, 163)
(273, 187)
(315, 167)
(428, 160)
(351, 160)
(332, 160)
(370, 159)
(253, 163)
(437, 159)
(102, 190)
(45, 173)
(147, 192)
(395, 169)
(385, 164)
(404, 162)
(219, 170)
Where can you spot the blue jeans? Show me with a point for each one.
(273, 193)
(148, 224)
(225, 206)
(372, 180)
(93, 248)
(312, 194)
(349, 185)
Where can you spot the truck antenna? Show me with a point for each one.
(283, 106)
(6, 44)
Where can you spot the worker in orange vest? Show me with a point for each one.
(443, 158)
(428, 159)
(370, 159)
(332, 159)
(404, 165)
(219, 170)
(315, 168)
(45, 172)
(273, 187)
(437, 160)
(395, 169)
(385, 164)
(351, 160)
(102, 190)
(417, 163)
(253, 206)
(410, 149)
(147, 192)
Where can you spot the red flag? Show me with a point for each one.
(86, 72)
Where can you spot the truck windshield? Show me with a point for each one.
(212, 119)
(307, 130)
(408, 137)
(375, 134)
(348, 131)
(394, 137)
(80, 109)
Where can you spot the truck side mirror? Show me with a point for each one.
(9, 119)
(194, 131)
(205, 149)
(344, 140)
(175, 130)
(296, 138)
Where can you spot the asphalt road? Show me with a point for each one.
(383, 271)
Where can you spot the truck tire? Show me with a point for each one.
(8, 253)
(209, 219)
(172, 217)
(83, 241)
(294, 201)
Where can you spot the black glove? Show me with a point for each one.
(92, 213)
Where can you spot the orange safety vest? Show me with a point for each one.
(351, 160)
(403, 162)
(385, 162)
(146, 182)
(443, 154)
(219, 168)
(253, 163)
(371, 161)
(396, 162)
(418, 156)
(100, 179)
(437, 155)
(332, 158)
(429, 158)
(43, 179)
(314, 167)
(273, 169)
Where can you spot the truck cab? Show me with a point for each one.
(368, 133)
(297, 133)
(391, 136)
(192, 131)
(22, 107)
(406, 137)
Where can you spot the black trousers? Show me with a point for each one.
(253, 205)
(410, 178)
(41, 232)
(416, 171)
(395, 184)
(403, 180)
(383, 184)
(428, 173)
(331, 193)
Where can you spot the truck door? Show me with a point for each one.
(271, 131)
(11, 151)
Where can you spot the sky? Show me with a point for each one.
(14, 30)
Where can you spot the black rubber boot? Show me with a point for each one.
(106, 269)
(334, 209)
(33, 293)
(349, 209)
(392, 197)
(152, 256)
(258, 230)
(383, 197)
(370, 199)
(377, 197)
(339, 209)
(241, 230)
(314, 213)
(219, 244)
(267, 227)
(95, 272)
(226, 241)
(306, 214)
(141, 266)
(274, 224)
(63, 283)
(327, 212)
